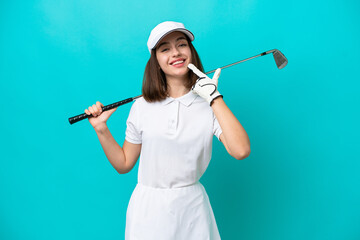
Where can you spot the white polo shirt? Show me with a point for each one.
(169, 202)
(176, 136)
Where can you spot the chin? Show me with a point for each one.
(178, 72)
(182, 73)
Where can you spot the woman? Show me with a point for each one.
(171, 128)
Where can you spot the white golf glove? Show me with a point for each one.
(206, 87)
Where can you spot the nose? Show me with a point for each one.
(175, 51)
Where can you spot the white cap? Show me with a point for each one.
(163, 29)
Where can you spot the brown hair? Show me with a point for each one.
(154, 86)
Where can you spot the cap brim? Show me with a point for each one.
(185, 31)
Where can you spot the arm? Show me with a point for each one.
(233, 136)
(123, 159)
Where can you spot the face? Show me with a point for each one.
(173, 54)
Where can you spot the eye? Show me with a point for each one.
(183, 45)
(164, 49)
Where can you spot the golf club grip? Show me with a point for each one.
(105, 108)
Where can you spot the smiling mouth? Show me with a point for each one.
(178, 62)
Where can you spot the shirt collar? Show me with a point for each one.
(186, 99)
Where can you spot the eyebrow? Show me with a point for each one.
(179, 38)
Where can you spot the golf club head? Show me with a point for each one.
(280, 59)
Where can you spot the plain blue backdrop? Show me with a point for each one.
(302, 178)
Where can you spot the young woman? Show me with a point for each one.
(171, 128)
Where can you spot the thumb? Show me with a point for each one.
(109, 112)
(113, 110)
(216, 75)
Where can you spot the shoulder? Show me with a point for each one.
(139, 101)
(141, 105)
(200, 100)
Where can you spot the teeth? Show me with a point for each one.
(177, 62)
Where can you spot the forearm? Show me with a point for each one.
(234, 136)
(113, 151)
(236, 139)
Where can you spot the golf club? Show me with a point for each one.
(280, 60)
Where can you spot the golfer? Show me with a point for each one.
(171, 128)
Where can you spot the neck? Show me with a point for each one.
(176, 87)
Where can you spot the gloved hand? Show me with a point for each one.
(206, 87)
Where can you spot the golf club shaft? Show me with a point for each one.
(247, 59)
(122, 102)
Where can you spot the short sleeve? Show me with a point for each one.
(217, 129)
(133, 133)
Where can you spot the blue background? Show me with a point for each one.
(302, 178)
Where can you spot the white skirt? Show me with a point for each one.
(170, 214)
